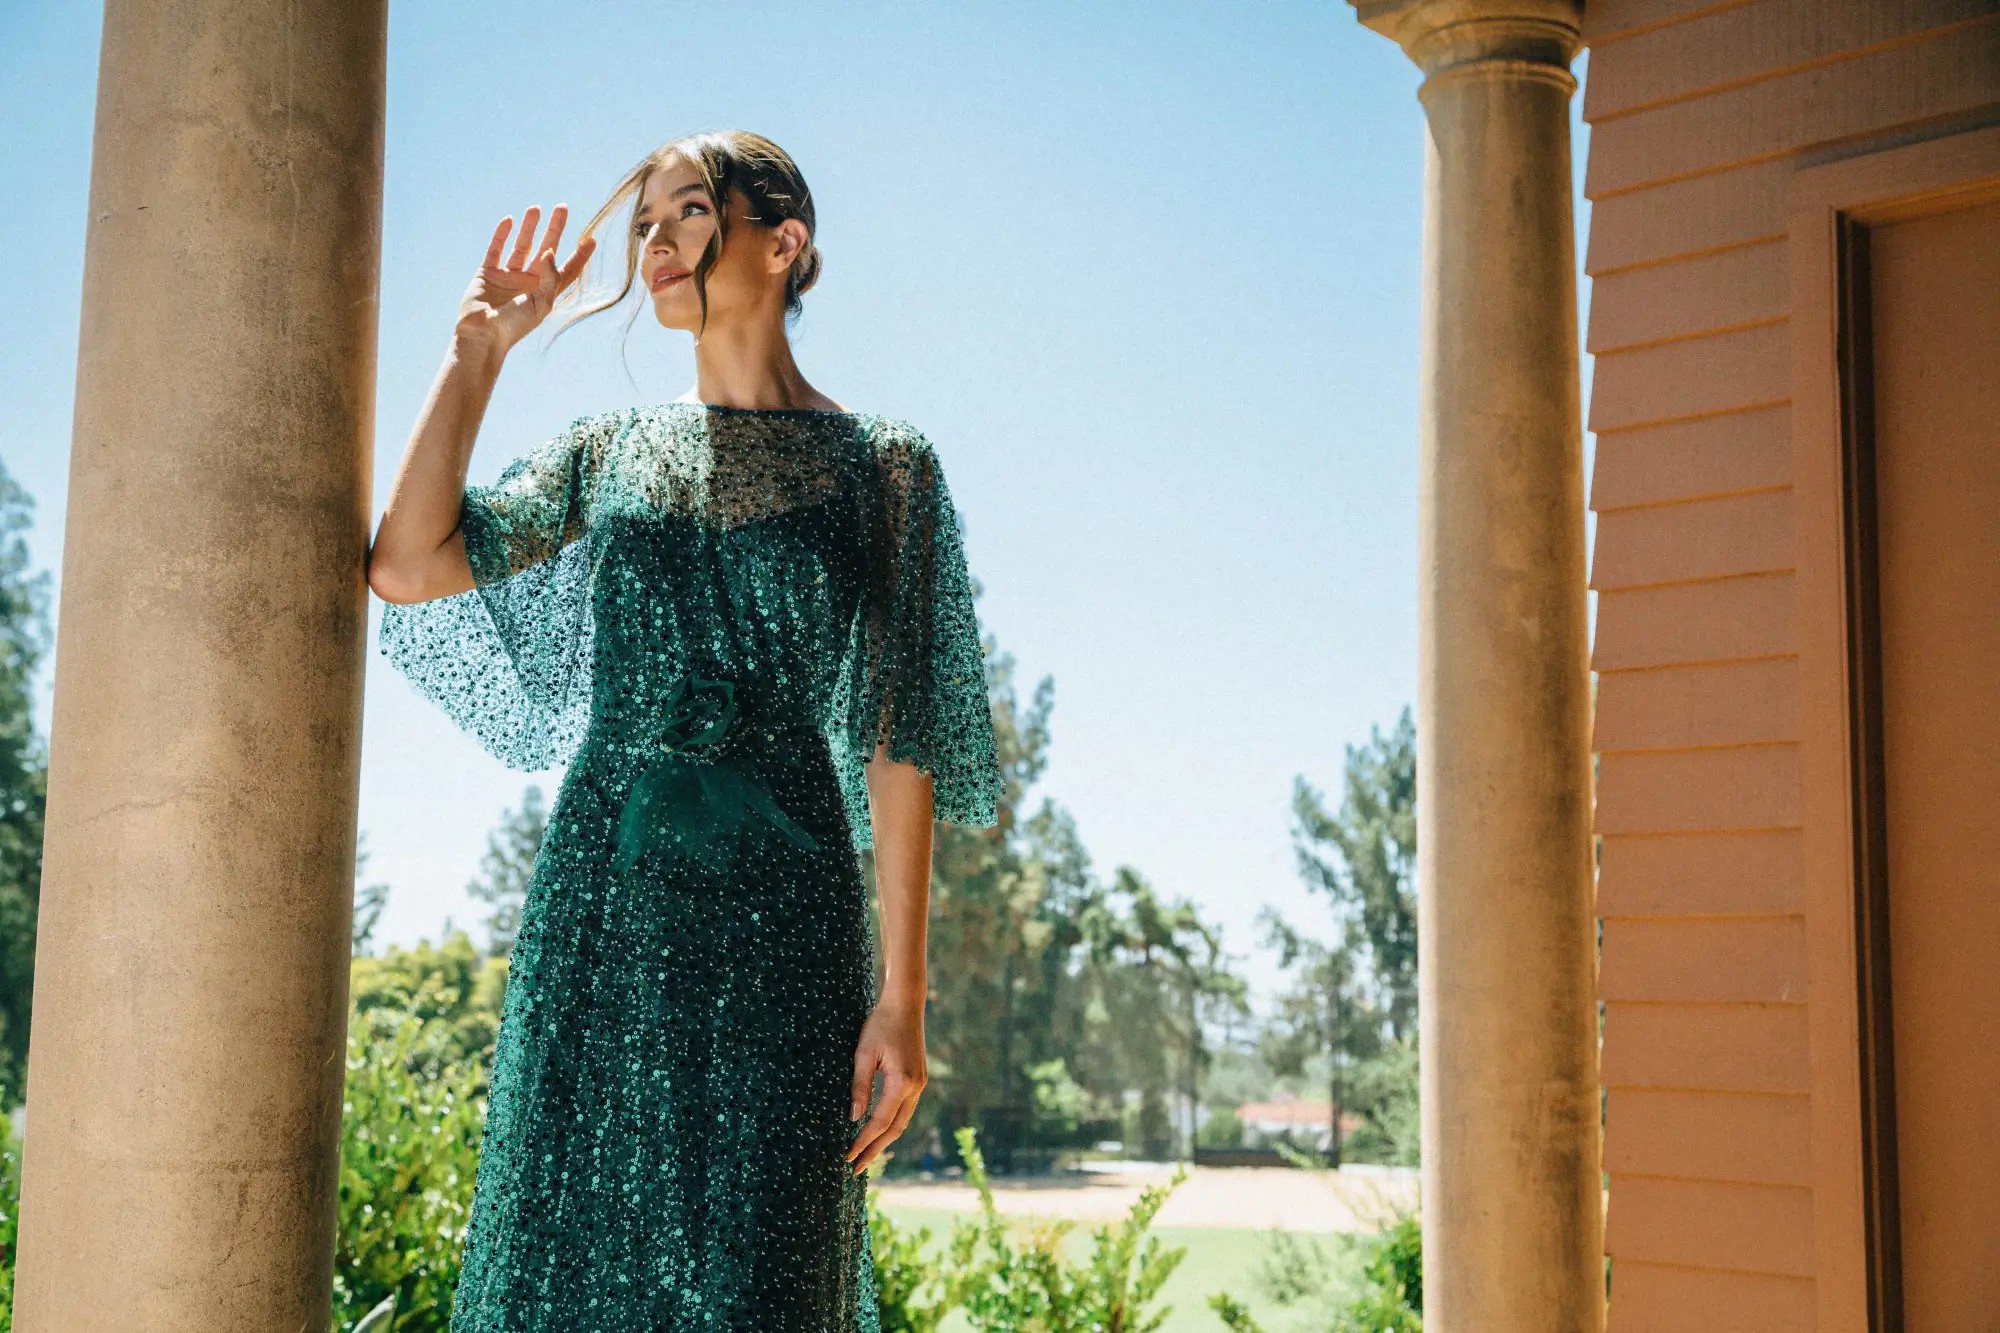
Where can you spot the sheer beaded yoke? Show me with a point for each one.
(712, 617)
(817, 553)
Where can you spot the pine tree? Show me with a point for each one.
(506, 868)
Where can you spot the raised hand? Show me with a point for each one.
(512, 294)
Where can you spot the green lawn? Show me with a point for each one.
(1218, 1259)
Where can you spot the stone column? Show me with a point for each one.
(190, 994)
(1512, 1215)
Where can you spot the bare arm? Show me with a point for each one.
(419, 553)
(900, 812)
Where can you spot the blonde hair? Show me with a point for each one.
(725, 160)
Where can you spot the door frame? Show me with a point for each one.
(1832, 207)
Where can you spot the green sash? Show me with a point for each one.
(696, 796)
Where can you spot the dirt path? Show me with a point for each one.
(1252, 1197)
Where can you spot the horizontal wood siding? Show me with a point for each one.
(1678, 708)
(1716, 620)
(1700, 110)
(1692, 377)
(1743, 1228)
(1693, 460)
(1754, 1138)
(1953, 71)
(1725, 289)
(1605, 21)
(1761, 960)
(1695, 541)
(1740, 206)
(1753, 43)
(1738, 789)
(1706, 1048)
(1701, 874)
(1652, 1298)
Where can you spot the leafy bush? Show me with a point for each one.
(1029, 1287)
(418, 1048)
(1296, 1268)
(1060, 1102)
(410, 1129)
(1391, 1299)
(1221, 1129)
(908, 1288)
(1384, 1088)
(1234, 1314)
(451, 988)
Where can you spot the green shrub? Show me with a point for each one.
(412, 1117)
(451, 988)
(1393, 1301)
(1296, 1268)
(1234, 1314)
(1384, 1088)
(1059, 1100)
(909, 1290)
(1028, 1286)
(409, 1151)
(1391, 1295)
(1221, 1129)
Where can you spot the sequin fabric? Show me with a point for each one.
(711, 616)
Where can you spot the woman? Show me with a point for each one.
(744, 620)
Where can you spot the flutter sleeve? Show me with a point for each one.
(509, 660)
(914, 670)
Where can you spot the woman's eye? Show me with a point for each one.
(641, 228)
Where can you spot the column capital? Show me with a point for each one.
(1449, 38)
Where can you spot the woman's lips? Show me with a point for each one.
(668, 277)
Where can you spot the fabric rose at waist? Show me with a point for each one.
(707, 752)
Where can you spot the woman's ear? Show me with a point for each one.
(792, 239)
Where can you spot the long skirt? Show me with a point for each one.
(665, 1141)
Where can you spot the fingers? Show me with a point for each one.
(526, 237)
(865, 1061)
(545, 257)
(499, 239)
(885, 1115)
(569, 273)
(544, 260)
(892, 1116)
(551, 245)
(540, 260)
(894, 1131)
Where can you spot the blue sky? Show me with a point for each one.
(1147, 275)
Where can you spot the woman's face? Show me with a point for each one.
(674, 221)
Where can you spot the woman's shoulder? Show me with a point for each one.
(588, 439)
(584, 436)
(604, 422)
(896, 440)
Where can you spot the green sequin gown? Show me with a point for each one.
(711, 615)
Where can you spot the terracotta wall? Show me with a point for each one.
(1700, 114)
